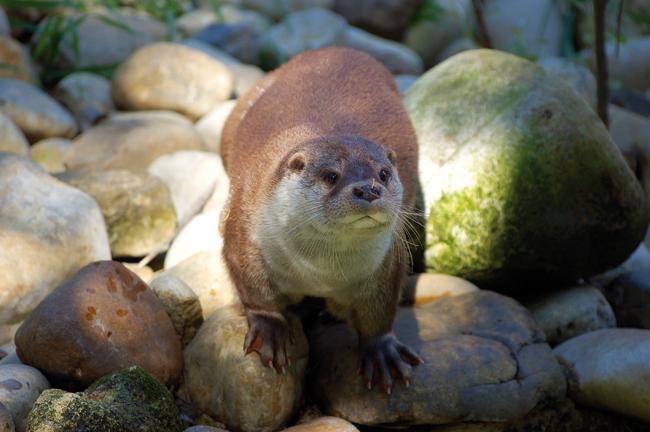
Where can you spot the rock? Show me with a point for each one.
(279, 8)
(609, 370)
(143, 272)
(87, 96)
(456, 47)
(638, 260)
(182, 306)
(240, 40)
(630, 65)
(129, 401)
(404, 82)
(533, 28)
(12, 139)
(6, 421)
(138, 209)
(50, 153)
(560, 202)
(436, 27)
(245, 394)
(5, 30)
(421, 288)
(398, 58)
(629, 296)
(16, 61)
(324, 424)
(132, 141)
(211, 125)
(9, 354)
(48, 230)
(117, 322)
(387, 18)
(35, 113)
(202, 428)
(168, 76)
(191, 177)
(484, 360)
(102, 44)
(301, 31)
(219, 196)
(20, 386)
(201, 234)
(206, 273)
(630, 133)
(197, 19)
(579, 77)
(246, 77)
(569, 313)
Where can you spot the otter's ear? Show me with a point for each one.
(296, 162)
(392, 157)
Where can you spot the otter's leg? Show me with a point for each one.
(383, 356)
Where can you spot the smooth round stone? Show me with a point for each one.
(138, 209)
(117, 322)
(16, 61)
(34, 112)
(629, 296)
(48, 230)
(278, 8)
(211, 125)
(132, 141)
(398, 58)
(20, 386)
(169, 76)
(9, 355)
(49, 153)
(219, 196)
(404, 82)
(638, 260)
(201, 234)
(427, 287)
(245, 394)
(6, 421)
(128, 400)
(324, 424)
(485, 359)
(182, 305)
(191, 177)
(532, 28)
(386, 18)
(202, 428)
(456, 47)
(197, 19)
(631, 133)
(578, 76)
(207, 275)
(240, 40)
(609, 369)
(87, 96)
(569, 313)
(12, 139)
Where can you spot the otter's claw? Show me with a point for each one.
(384, 357)
(269, 336)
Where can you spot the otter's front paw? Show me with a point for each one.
(385, 357)
(269, 336)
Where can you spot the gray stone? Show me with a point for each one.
(301, 31)
(6, 421)
(138, 209)
(191, 177)
(609, 369)
(132, 141)
(202, 428)
(182, 305)
(457, 46)
(532, 28)
(49, 153)
(276, 9)
(245, 394)
(324, 424)
(627, 62)
(629, 296)
(20, 386)
(211, 125)
(572, 312)
(16, 61)
(201, 234)
(197, 19)
(404, 82)
(579, 77)
(398, 58)
(630, 132)
(12, 139)
(169, 76)
(34, 112)
(386, 18)
(4, 24)
(88, 96)
(484, 360)
(48, 230)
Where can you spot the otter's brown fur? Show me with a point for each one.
(323, 94)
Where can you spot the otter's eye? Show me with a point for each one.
(384, 175)
(331, 177)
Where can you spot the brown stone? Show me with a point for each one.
(101, 320)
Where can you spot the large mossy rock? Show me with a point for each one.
(522, 182)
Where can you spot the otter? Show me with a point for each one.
(322, 160)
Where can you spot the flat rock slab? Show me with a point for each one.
(485, 360)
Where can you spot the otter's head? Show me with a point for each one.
(346, 186)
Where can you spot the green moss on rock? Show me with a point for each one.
(126, 401)
(522, 182)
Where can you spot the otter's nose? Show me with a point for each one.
(366, 193)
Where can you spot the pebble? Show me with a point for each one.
(629, 296)
(16, 61)
(324, 424)
(87, 96)
(201, 234)
(20, 386)
(427, 287)
(49, 153)
(12, 140)
(6, 421)
(386, 18)
(211, 125)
